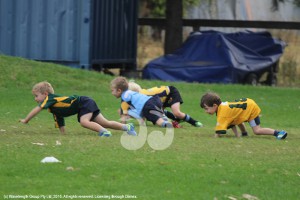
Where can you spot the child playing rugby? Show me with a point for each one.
(142, 105)
(235, 113)
(88, 113)
(170, 97)
(242, 129)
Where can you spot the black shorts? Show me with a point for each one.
(152, 110)
(87, 105)
(173, 97)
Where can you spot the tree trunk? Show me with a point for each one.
(173, 37)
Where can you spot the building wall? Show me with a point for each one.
(244, 10)
(115, 33)
(70, 32)
(43, 30)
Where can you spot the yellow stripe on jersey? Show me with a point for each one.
(125, 107)
(58, 99)
(60, 102)
(44, 102)
(162, 92)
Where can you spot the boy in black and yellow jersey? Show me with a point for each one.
(170, 97)
(87, 111)
(235, 113)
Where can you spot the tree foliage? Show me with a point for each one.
(297, 3)
(158, 7)
(275, 3)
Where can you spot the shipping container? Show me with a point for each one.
(77, 33)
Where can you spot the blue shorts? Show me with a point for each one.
(255, 122)
(87, 105)
(152, 110)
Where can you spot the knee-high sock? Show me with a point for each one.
(189, 119)
(170, 115)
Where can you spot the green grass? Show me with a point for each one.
(195, 166)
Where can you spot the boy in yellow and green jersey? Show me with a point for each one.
(170, 97)
(88, 113)
(235, 113)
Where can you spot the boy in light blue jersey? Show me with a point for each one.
(142, 105)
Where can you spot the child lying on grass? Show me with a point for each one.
(170, 97)
(88, 113)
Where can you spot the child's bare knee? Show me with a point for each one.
(256, 132)
(83, 123)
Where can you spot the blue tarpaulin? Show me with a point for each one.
(216, 57)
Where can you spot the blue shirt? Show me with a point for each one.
(133, 100)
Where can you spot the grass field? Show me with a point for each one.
(195, 166)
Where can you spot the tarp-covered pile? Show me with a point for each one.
(216, 57)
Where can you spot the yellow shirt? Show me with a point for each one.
(234, 113)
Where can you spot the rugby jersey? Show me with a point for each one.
(235, 113)
(134, 101)
(162, 92)
(61, 106)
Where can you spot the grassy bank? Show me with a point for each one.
(195, 166)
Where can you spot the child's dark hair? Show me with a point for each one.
(209, 99)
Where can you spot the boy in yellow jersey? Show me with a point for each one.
(235, 113)
(87, 111)
(170, 97)
(242, 129)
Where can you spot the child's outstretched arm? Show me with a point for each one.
(32, 113)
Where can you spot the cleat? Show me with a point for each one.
(244, 134)
(198, 124)
(130, 129)
(176, 124)
(105, 134)
(281, 135)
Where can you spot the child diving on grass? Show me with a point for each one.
(170, 97)
(88, 113)
(142, 106)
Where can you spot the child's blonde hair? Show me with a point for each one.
(119, 83)
(134, 86)
(43, 87)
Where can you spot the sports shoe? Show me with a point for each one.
(244, 134)
(198, 124)
(105, 134)
(130, 129)
(176, 124)
(281, 135)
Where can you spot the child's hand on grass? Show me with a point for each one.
(23, 121)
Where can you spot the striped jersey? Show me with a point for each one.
(61, 106)
(162, 92)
